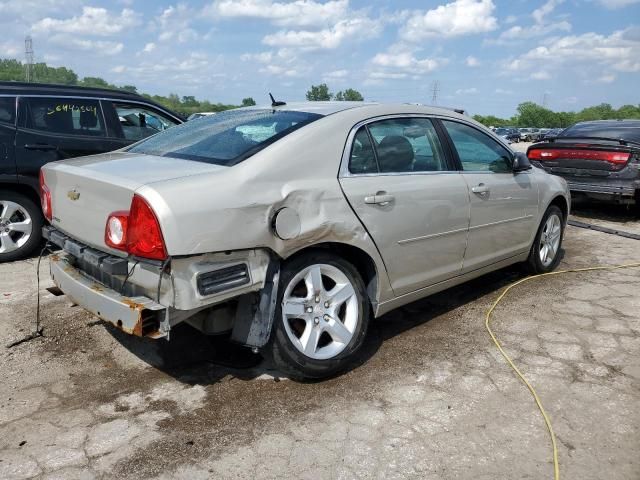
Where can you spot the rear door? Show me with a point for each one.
(504, 204)
(409, 197)
(7, 137)
(55, 128)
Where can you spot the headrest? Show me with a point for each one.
(395, 154)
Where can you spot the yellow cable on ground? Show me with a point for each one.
(556, 467)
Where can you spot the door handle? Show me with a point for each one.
(381, 199)
(480, 189)
(40, 146)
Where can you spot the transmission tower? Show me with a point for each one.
(28, 56)
(435, 89)
(545, 99)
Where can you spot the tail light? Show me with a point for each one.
(545, 154)
(45, 198)
(136, 232)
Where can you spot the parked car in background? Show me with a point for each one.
(529, 134)
(290, 225)
(551, 133)
(193, 116)
(599, 159)
(508, 134)
(42, 123)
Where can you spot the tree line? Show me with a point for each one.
(530, 114)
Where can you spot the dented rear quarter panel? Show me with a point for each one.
(233, 208)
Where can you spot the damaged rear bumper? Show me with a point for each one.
(139, 315)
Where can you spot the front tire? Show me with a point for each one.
(20, 226)
(545, 251)
(322, 316)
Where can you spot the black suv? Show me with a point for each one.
(42, 123)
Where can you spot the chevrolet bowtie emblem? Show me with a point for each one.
(73, 194)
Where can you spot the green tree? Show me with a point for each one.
(319, 93)
(349, 95)
(96, 82)
(129, 88)
(248, 102)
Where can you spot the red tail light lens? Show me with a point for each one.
(45, 198)
(546, 154)
(144, 237)
(136, 232)
(115, 233)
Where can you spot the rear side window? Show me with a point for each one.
(70, 116)
(8, 110)
(477, 151)
(225, 138)
(138, 122)
(401, 145)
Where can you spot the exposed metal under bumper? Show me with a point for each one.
(139, 316)
(625, 190)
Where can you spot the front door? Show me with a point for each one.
(410, 199)
(504, 204)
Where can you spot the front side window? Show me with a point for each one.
(225, 138)
(70, 116)
(8, 110)
(477, 151)
(138, 122)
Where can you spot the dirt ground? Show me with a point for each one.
(429, 398)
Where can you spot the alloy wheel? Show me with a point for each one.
(16, 226)
(550, 240)
(320, 311)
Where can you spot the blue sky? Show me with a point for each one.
(486, 56)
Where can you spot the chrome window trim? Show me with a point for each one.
(344, 172)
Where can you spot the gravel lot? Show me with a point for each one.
(432, 398)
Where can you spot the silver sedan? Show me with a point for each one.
(291, 226)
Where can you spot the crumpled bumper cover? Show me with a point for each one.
(139, 315)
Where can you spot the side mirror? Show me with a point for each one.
(521, 162)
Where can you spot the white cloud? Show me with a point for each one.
(520, 33)
(174, 24)
(11, 49)
(613, 4)
(511, 19)
(118, 69)
(406, 62)
(619, 51)
(472, 61)
(92, 21)
(461, 17)
(149, 47)
(387, 76)
(541, 75)
(301, 13)
(466, 91)
(502, 91)
(336, 74)
(328, 38)
(539, 13)
(606, 78)
(95, 47)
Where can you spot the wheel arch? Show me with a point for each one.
(563, 204)
(361, 260)
(23, 189)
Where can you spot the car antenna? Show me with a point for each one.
(276, 103)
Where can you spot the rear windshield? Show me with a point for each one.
(615, 130)
(225, 138)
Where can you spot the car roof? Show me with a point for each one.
(331, 107)
(24, 88)
(630, 122)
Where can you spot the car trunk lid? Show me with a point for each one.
(84, 191)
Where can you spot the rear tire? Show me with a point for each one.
(321, 317)
(545, 251)
(20, 226)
